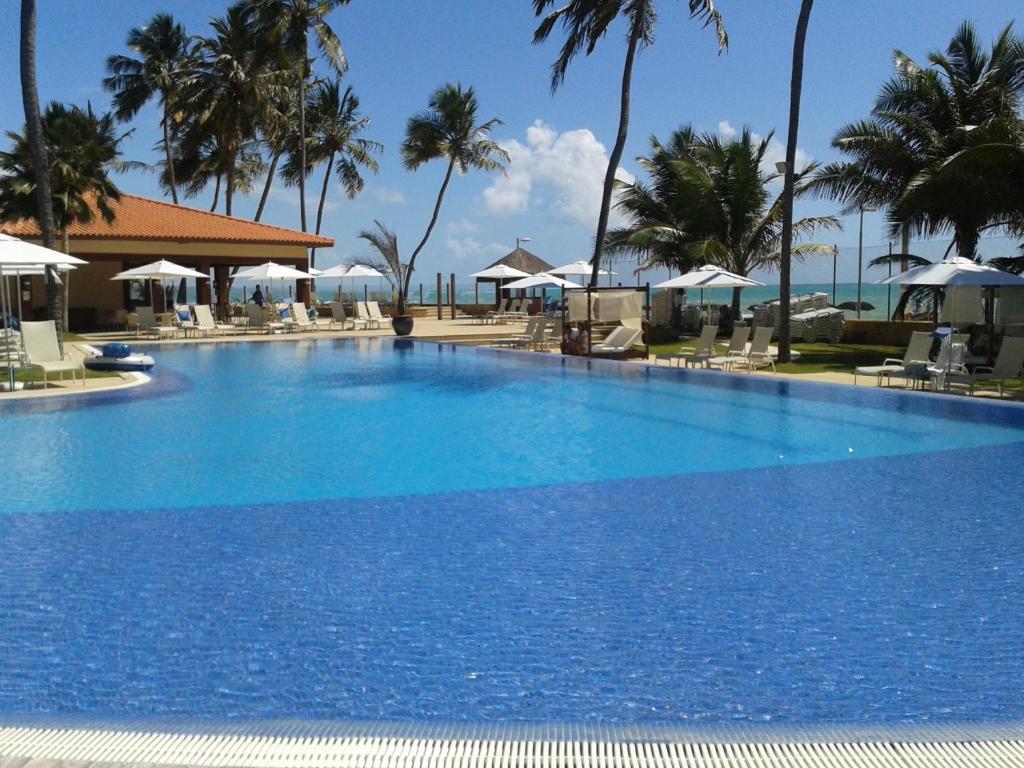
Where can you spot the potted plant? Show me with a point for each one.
(447, 129)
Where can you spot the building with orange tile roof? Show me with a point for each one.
(146, 230)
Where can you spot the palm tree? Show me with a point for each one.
(788, 186)
(287, 25)
(709, 200)
(334, 127)
(585, 22)
(163, 49)
(232, 86)
(385, 242)
(82, 149)
(277, 132)
(37, 150)
(448, 130)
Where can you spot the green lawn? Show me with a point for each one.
(814, 358)
(37, 376)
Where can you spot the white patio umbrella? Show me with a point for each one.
(710, 277)
(541, 280)
(272, 271)
(16, 253)
(954, 270)
(500, 272)
(159, 271)
(354, 271)
(581, 268)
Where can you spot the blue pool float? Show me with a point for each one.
(119, 357)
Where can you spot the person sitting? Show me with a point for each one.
(257, 297)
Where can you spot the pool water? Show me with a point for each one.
(342, 530)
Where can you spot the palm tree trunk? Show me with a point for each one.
(904, 246)
(736, 312)
(167, 156)
(320, 209)
(302, 143)
(616, 156)
(37, 145)
(266, 187)
(795, 88)
(229, 185)
(216, 194)
(433, 220)
(966, 238)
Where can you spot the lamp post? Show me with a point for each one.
(835, 261)
(860, 253)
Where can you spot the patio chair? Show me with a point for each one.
(497, 315)
(363, 314)
(42, 351)
(703, 351)
(205, 323)
(532, 334)
(757, 353)
(737, 349)
(914, 359)
(338, 317)
(258, 320)
(373, 309)
(618, 342)
(1008, 366)
(300, 315)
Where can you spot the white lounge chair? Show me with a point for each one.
(915, 359)
(363, 314)
(300, 315)
(737, 349)
(42, 351)
(1008, 366)
(258, 320)
(205, 323)
(497, 315)
(704, 349)
(618, 342)
(338, 317)
(532, 334)
(757, 353)
(382, 320)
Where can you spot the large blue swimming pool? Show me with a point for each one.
(361, 530)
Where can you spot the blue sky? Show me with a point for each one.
(400, 50)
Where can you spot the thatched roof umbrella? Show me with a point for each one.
(520, 259)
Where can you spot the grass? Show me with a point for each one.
(814, 358)
(32, 377)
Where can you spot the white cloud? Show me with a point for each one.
(470, 249)
(462, 227)
(564, 171)
(385, 195)
(725, 128)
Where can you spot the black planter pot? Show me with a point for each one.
(402, 325)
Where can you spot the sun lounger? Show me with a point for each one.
(1009, 366)
(915, 359)
(704, 349)
(496, 315)
(258, 320)
(737, 349)
(300, 315)
(338, 317)
(532, 335)
(148, 324)
(42, 351)
(618, 342)
(757, 353)
(373, 308)
(205, 323)
(363, 314)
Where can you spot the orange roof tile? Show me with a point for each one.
(140, 218)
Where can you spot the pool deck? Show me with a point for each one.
(460, 330)
(82, 748)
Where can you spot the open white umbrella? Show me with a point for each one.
(500, 272)
(159, 271)
(709, 276)
(354, 271)
(541, 280)
(272, 271)
(954, 270)
(580, 267)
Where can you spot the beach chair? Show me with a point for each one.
(205, 323)
(914, 359)
(497, 315)
(618, 342)
(737, 349)
(363, 314)
(757, 353)
(258, 320)
(300, 315)
(42, 351)
(147, 323)
(704, 349)
(338, 317)
(1008, 366)
(373, 309)
(517, 311)
(532, 334)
